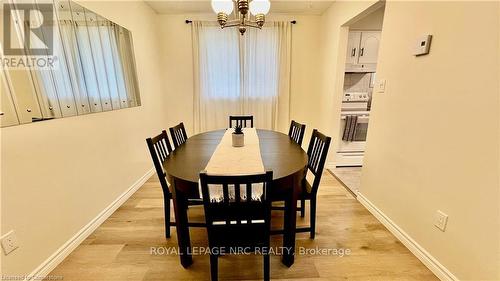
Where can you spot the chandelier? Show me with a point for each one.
(242, 19)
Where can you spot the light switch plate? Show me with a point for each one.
(9, 242)
(440, 220)
(381, 86)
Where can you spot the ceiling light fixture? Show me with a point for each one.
(242, 19)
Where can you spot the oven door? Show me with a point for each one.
(359, 142)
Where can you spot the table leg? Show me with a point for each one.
(181, 224)
(290, 224)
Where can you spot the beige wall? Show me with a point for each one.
(433, 140)
(371, 22)
(306, 74)
(56, 176)
(176, 60)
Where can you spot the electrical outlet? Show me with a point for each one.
(9, 242)
(440, 220)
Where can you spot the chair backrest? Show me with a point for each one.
(241, 121)
(237, 205)
(178, 134)
(317, 152)
(296, 132)
(160, 149)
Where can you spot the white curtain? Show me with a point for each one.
(94, 67)
(99, 66)
(62, 78)
(87, 63)
(117, 64)
(74, 66)
(236, 75)
(107, 52)
(217, 82)
(44, 79)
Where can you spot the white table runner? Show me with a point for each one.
(232, 161)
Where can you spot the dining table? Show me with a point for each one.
(279, 153)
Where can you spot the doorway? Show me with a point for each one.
(359, 78)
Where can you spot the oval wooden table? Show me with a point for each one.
(279, 153)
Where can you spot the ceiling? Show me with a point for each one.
(295, 7)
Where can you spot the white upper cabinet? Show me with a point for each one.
(362, 51)
(368, 51)
(353, 47)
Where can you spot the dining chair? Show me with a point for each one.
(240, 121)
(296, 132)
(178, 134)
(237, 217)
(316, 152)
(160, 149)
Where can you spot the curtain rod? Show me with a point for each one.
(190, 21)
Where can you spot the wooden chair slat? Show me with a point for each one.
(237, 192)
(178, 134)
(249, 191)
(240, 121)
(296, 132)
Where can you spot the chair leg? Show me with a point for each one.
(267, 265)
(312, 214)
(214, 260)
(302, 207)
(166, 207)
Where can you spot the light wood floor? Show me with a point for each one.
(120, 248)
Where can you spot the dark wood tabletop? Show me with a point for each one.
(279, 154)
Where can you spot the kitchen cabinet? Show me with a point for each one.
(362, 51)
(370, 42)
(353, 47)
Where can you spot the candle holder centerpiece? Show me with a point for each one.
(238, 136)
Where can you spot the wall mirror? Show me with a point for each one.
(93, 64)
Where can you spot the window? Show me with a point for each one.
(239, 74)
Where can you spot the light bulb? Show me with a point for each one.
(222, 6)
(260, 7)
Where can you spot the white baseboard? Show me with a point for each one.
(49, 264)
(425, 257)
